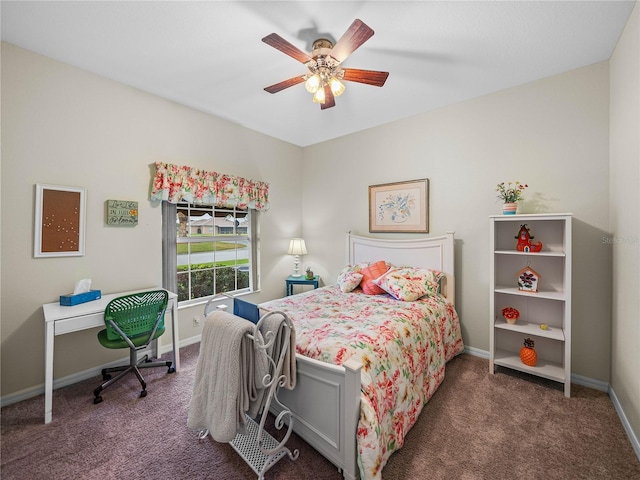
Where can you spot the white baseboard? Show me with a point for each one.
(590, 382)
(633, 438)
(476, 352)
(183, 343)
(60, 382)
(83, 375)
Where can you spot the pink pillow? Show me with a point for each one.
(369, 274)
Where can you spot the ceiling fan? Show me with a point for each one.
(324, 64)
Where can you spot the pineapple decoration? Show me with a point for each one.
(528, 354)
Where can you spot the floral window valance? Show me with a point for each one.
(175, 184)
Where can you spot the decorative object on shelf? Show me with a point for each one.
(544, 326)
(510, 193)
(524, 241)
(528, 354)
(399, 207)
(309, 273)
(296, 248)
(528, 280)
(509, 208)
(510, 314)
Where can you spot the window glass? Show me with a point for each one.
(214, 251)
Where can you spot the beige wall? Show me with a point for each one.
(65, 126)
(552, 134)
(625, 218)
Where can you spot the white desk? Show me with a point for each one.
(60, 319)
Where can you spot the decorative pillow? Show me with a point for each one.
(369, 274)
(362, 265)
(349, 278)
(409, 283)
(432, 279)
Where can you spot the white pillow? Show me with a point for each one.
(349, 278)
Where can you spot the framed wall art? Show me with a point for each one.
(122, 213)
(399, 207)
(59, 221)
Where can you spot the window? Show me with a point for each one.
(212, 249)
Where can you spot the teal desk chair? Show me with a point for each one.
(133, 322)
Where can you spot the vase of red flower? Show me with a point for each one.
(510, 314)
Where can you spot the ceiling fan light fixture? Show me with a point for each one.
(318, 97)
(313, 83)
(337, 87)
(325, 74)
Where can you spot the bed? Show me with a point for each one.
(354, 403)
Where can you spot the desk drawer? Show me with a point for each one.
(75, 324)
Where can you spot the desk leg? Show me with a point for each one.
(175, 338)
(48, 371)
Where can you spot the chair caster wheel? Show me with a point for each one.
(171, 370)
(143, 393)
(97, 400)
(106, 376)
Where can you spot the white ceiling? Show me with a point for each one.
(209, 55)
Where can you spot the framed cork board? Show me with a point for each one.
(59, 221)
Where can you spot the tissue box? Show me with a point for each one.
(71, 299)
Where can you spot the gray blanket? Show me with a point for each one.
(225, 382)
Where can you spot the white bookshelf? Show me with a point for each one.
(550, 305)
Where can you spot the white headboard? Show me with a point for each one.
(436, 253)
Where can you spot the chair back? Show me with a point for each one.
(137, 314)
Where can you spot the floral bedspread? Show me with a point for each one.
(403, 347)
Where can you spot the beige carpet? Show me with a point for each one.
(477, 426)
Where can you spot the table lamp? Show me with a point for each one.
(296, 248)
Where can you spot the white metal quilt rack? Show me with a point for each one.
(256, 446)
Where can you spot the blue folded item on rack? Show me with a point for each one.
(247, 310)
(75, 299)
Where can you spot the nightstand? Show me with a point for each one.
(301, 280)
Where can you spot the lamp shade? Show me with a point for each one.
(297, 247)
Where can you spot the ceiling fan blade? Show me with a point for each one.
(356, 35)
(370, 77)
(284, 84)
(329, 99)
(279, 43)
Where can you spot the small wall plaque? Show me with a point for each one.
(122, 212)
